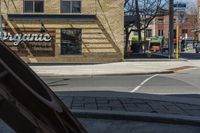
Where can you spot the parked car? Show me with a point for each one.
(155, 47)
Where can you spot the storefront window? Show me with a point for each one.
(68, 6)
(33, 6)
(71, 41)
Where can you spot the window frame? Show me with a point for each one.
(149, 33)
(160, 31)
(160, 21)
(33, 12)
(71, 12)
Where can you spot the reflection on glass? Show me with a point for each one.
(39, 6)
(34, 6)
(71, 41)
(65, 7)
(70, 6)
(76, 6)
(28, 6)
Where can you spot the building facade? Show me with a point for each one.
(198, 18)
(81, 31)
(185, 28)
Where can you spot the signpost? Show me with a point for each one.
(180, 11)
(177, 41)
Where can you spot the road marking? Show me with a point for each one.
(141, 84)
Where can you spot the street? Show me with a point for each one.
(183, 83)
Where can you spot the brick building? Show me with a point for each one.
(82, 31)
(198, 16)
(162, 26)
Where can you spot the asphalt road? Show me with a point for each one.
(184, 83)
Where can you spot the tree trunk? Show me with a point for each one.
(126, 41)
(145, 37)
(138, 24)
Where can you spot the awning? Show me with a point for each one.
(51, 17)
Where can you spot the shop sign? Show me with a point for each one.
(17, 38)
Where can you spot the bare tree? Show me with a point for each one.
(144, 11)
(192, 11)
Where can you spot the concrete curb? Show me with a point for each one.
(156, 60)
(138, 116)
(108, 74)
(181, 68)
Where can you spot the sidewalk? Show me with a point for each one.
(150, 108)
(119, 68)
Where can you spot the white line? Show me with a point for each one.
(141, 84)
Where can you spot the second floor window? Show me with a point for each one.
(33, 6)
(71, 6)
(160, 21)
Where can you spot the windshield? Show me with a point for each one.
(100, 66)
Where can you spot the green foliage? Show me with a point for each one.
(135, 38)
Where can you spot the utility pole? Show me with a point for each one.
(138, 24)
(171, 29)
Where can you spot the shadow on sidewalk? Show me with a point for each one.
(122, 94)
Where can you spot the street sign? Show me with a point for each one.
(181, 16)
(180, 11)
(180, 5)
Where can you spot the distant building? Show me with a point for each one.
(185, 28)
(198, 18)
(160, 26)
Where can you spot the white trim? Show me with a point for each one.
(143, 82)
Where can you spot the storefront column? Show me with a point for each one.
(57, 43)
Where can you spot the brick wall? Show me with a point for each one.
(187, 25)
(103, 39)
